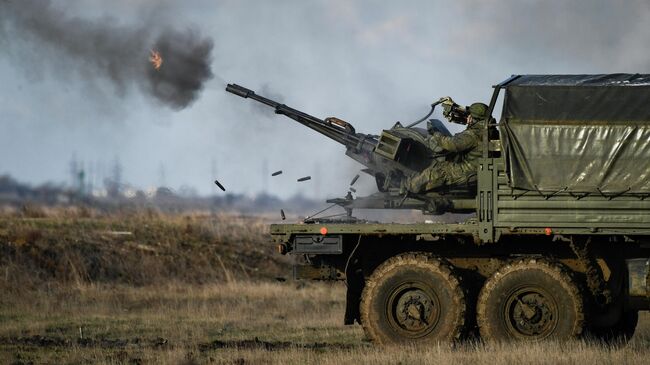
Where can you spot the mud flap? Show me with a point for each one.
(353, 300)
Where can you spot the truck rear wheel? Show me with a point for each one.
(413, 298)
(530, 299)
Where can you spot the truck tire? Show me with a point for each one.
(620, 333)
(530, 299)
(413, 298)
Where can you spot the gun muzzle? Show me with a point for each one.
(239, 90)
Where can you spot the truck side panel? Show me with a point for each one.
(522, 208)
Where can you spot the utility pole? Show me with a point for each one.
(73, 168)
(114, 183)
(162, 175)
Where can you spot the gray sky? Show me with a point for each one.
(368, 62)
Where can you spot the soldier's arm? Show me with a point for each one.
(459, 142)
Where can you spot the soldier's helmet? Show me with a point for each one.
(478, 111)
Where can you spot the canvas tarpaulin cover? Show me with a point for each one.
(579, 133)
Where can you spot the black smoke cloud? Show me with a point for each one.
(185, 68)
(113, 51)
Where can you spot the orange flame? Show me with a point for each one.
(156, 60)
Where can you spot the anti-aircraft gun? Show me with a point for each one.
(390, 157)
(559, 243)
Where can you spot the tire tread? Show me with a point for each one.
(554, 269)
(421, 260)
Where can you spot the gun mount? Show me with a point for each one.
(390, 157)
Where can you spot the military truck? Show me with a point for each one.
(558, 245)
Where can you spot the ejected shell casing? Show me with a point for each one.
(304, 178)
(277, 173)
(219, 185)
(282, 214)
(354, 180)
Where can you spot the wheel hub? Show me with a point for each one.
(531, 314)
(415, 310)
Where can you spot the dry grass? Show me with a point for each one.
(197, 289)
(238, 323)
(66, 247)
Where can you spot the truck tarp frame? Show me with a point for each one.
(578, 133)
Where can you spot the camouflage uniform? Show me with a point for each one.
(466, 148)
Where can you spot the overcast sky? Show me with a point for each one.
(368, 62)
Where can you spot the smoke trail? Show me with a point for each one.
(113, 51)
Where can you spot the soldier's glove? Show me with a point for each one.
(453, 112)
(434, 142)
(447, 102)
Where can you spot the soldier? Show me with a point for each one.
(465, 148)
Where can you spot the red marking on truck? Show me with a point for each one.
(323, 230)
(548, 231)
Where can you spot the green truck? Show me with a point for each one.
(557, 239)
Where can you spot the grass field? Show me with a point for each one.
(185, 290)
(237, 323)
